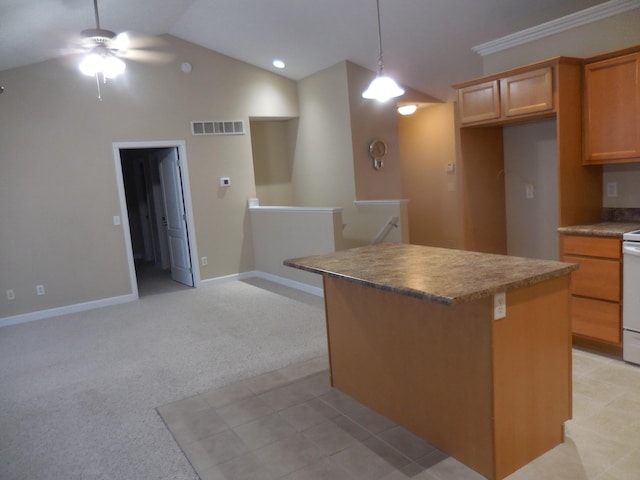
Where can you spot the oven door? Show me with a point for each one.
(631, 286)
(631, 302)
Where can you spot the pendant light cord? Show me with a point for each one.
(380, 65)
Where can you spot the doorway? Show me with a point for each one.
(156, 216)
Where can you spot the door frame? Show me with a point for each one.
(186, 193)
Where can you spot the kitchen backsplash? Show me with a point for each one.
(625, 180)
(621, 214)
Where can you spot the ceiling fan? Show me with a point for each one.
(104, 51)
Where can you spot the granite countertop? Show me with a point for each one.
(434, 274)
(601, 229)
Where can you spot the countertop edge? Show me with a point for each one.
(444, 300)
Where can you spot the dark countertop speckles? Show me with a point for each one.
(435, 274)
(602, 229)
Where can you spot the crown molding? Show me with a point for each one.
(583, 17)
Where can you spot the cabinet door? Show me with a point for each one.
(612, 110)
(479, 103)
(529, 92)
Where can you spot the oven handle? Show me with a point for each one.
(631, 249)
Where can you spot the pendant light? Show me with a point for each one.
(382, 88)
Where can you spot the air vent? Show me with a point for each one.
(223, 127)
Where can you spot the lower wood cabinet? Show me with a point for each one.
(595, 289)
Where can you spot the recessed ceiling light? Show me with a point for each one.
(407, 109)
(278, 63)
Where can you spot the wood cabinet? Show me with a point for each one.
(612, 110)
(511, 97)
(479, 102)
(595, 289)
(549, 89)
(527, 93)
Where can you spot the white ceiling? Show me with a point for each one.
(426, 43)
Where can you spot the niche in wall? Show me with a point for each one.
(273, 144)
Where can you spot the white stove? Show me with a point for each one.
(631, 297)
(633, 236)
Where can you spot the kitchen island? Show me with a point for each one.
(412, 335)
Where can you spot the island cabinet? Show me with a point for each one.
(596, 290)
(512, 97)
(612, 110)
(425, 337)
(549, 89)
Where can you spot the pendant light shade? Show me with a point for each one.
(382, 88)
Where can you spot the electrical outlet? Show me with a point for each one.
(204, 261)
(529, 191)
(40, 289)
(499, 305)
(612, 189)
(10, 294)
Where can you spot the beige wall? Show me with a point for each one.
(609, 34)
(613, 33)
(371, 120)
(427, 146)
(281, 233)
(331, 147)
(58, 192)
(531, 158)
(273, 146)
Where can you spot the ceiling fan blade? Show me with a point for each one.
(139, 40)
(148, 56)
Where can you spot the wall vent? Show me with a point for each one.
(222, 127)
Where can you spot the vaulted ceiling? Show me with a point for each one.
(427, 44)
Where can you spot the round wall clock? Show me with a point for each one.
(377, 151)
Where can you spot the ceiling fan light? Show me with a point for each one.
(92, 64)
(113, 66)
(121, 42)
(382, 88)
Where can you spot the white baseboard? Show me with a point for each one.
(303, 287)
(105, 302)
(54, 312)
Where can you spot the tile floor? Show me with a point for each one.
(291, 425)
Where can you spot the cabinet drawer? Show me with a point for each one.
(591, 246)
(596, 319)
(595, 278)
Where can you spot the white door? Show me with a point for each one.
(176, 223)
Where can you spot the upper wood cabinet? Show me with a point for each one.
(512, 97)
(528, 92)
(612, 110)
(479, 102)
(551, 89)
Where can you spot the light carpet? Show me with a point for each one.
(78, 392)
